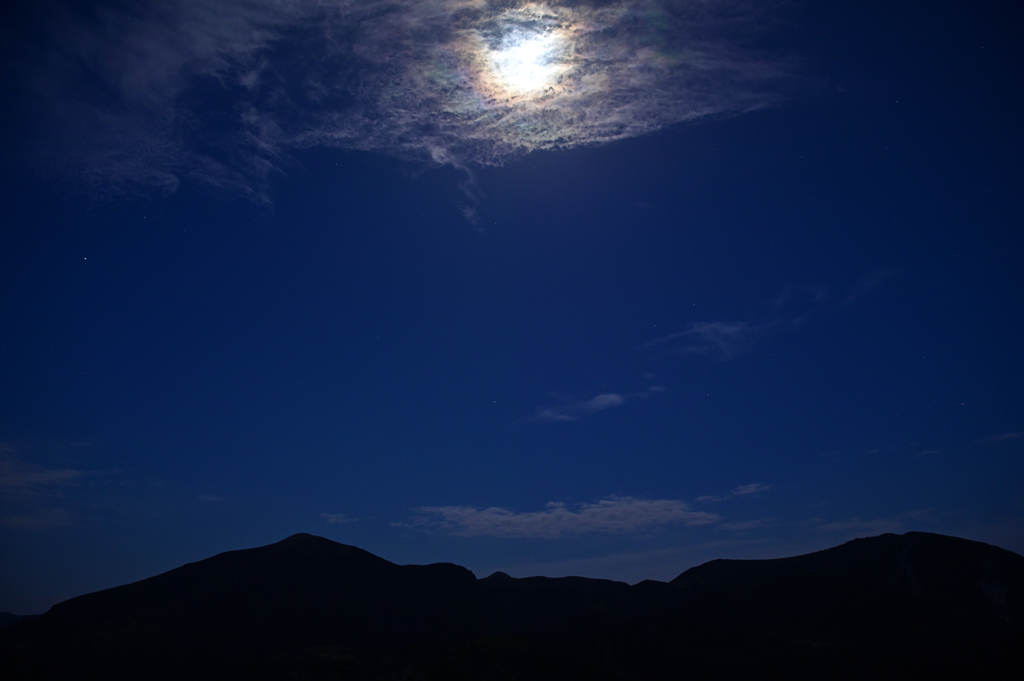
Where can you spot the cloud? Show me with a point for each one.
(29, 490)
(336, 518)
(754, 488)
(1000, 438)
(723, 340)
(727, 340)
(143, 95)
(614, 515)
(574, 410)
(871, 281)
(20, 479)
(745, 525)
(36, 519)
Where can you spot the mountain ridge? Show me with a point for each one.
(308, 602)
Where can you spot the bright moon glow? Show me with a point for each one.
(526, 61)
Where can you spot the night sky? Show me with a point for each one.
(701, 280)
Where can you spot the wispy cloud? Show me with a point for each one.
(727, 339)
(336, 518)
(753, 489)
(1001, 437)
(21, 479)
(36, 519)
(722, 340)
(745, 525)
(870, 282)
(616, 515)
(573, 410)
(222, 92)
(30, 491)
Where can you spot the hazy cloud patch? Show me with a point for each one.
(143, 95)
(1001, 437)
(754, 488)
(21, 479)
(36, 519)
(725, 339)
(28, 492)
(615, 515)
(721, 340)
(745, 525)
(571, 411)
(870, 282)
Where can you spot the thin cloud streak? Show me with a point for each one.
(37, 519)
(745, 525)
(572, 411)
(870, 282)
(19, 478)
(222, 92)
(614, 515)
(722, 340)
(753, 489)
(729, 339)
(1002, 437)
(28, 492)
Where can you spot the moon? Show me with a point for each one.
(527, 61)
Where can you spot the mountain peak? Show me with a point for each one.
(498, 578)
(305, 538)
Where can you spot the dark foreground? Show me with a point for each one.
(912, 606)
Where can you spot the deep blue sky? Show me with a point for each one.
(752, 334)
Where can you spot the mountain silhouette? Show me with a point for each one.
(9, 618)
(308, 608)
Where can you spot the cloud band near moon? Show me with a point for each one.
(141, 96)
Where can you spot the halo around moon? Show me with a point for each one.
(223, 91)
